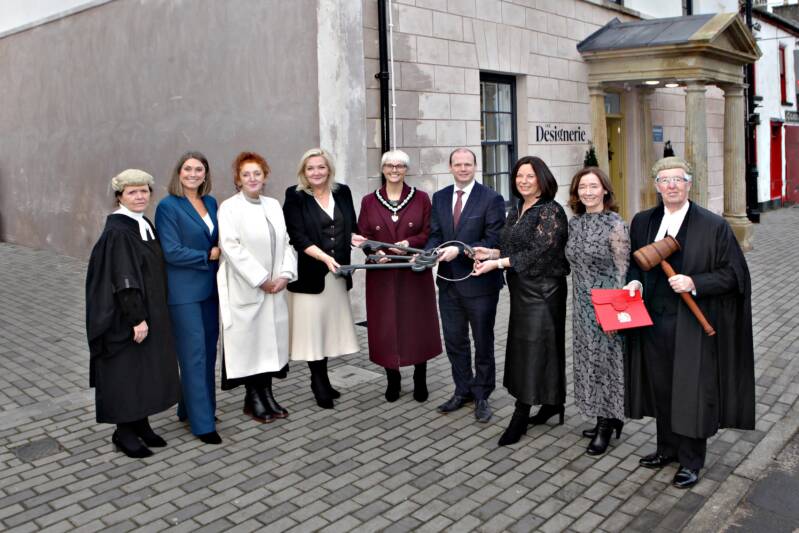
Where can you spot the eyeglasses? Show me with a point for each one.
(401, 166)
(666, 180)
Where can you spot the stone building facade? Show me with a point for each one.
(502, 77)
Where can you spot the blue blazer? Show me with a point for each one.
(186, 241)
(481, 223)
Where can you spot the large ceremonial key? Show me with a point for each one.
(649, 256)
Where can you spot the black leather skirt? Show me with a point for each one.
(535, 357)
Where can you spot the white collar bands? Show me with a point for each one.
(145, 230)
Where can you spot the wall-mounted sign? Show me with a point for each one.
(791, 116)
(657, 134)
(552, 133)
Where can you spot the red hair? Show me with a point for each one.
(248, 157)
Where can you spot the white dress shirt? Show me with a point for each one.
(466, 192)
(209, 222)
(144, 228)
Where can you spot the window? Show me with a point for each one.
(687, 7)
(498, 131)
(783, 87)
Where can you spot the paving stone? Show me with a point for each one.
(366, 465)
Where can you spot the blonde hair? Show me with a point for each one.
(302, 182)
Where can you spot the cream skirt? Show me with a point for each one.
(321, 325)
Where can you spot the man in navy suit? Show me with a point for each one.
(475, 215)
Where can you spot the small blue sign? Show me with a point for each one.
(657, 134)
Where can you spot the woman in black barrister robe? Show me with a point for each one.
(532, 249)
(133, 366)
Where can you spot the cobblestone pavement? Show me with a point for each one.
(367, 465)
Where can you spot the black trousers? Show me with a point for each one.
(458, 314)
(658, 348)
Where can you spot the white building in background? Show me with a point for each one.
(777, 134)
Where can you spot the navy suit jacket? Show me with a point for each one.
(186, 241)
(481, 223)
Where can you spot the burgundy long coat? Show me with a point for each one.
(400, 304)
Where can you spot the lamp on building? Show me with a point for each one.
(672, 85)
(651, 82)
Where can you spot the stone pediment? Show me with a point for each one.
(712, 47)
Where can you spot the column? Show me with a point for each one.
(599, 125)
(735, 164)
(696, 139)
(648, 193)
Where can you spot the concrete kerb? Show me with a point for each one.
(720, 507)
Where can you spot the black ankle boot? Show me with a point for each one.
(599, 444)
(546, 412)
(420, 393)
(126, 441)
(393, 386)
(517, 426)
(318, 385)
(591, 433)
(269, 399)
(146, 434)
(333, 393)
(254, 405)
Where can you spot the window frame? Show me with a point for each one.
(783, 77)
(490, 77)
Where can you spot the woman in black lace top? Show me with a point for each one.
(532, 250)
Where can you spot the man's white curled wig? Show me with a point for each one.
(672, 162)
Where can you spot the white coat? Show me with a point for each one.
(255, 324)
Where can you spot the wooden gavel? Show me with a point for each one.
(649, 256)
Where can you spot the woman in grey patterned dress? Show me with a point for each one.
(598, 250)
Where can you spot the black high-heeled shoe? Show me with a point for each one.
(517, 427)
(255, 407)
(269, 400)
(591, 433)
(333, 393)
(599, 444)
(318, 387)
(130, 445)
(546, 412)
(146, 434)
(420, 392)
(210, 438)
(393, 384)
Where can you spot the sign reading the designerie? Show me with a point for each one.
(554, 133)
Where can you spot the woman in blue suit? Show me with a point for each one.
(186, 223)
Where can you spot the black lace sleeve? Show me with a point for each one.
(536, 243)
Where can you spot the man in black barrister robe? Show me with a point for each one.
(692, 383)
(133, 366)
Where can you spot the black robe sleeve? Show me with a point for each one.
(114, 275)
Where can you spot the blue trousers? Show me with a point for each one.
(196, 329)
(458, 314)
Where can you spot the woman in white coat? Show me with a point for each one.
(257, 264)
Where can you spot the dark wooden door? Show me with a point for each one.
(776, 160)
(792, 164)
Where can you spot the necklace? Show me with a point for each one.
(395, 208)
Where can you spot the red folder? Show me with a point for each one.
(615, 309)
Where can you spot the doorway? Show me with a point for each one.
(616, 158)
(776, 161)
(792, 164)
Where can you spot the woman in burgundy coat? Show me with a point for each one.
(400, 304)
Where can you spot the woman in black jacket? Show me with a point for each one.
(320, 219)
